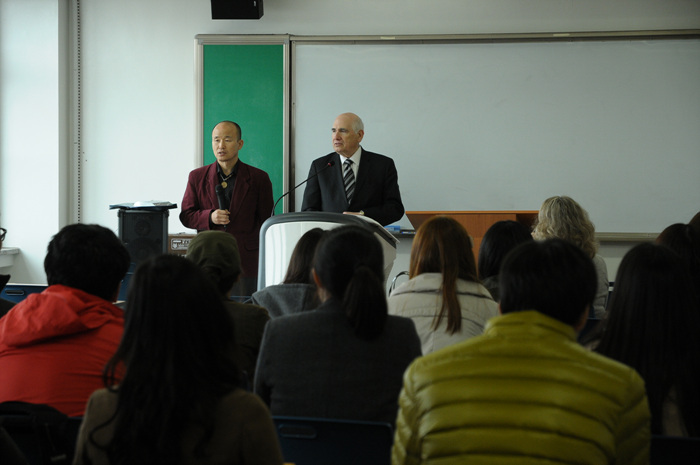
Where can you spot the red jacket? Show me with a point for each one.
(54, 346)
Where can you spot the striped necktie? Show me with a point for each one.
(348, 179)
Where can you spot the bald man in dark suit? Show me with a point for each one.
(374, 188)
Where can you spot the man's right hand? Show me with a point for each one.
(220, 217)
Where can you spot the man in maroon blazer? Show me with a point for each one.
(239, 206)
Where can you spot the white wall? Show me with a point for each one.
(138, 87)
(33, 129)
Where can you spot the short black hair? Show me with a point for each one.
(88, 257)
(238, 127)
(553, 277)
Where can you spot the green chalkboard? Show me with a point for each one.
(245, 84)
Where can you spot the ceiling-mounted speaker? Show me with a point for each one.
(236, 9)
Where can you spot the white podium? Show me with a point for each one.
(280, 233)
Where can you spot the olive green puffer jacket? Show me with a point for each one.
(524, 392)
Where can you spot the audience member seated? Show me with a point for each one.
(344, 360)
(54, 344)
(525, 391)
(652, 325)
(443, 296)
(564, 218)
(216, 252)
(499, 239)
(297, 293)
(172, 389)
(5, 305)
(684, 239)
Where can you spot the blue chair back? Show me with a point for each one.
(124, 289)
(320, 441)
(18, 292)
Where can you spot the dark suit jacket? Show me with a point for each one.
(311, 364)
(248, 323)
(251, 205)
(376, 192)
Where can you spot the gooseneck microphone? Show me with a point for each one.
(328, 165)
(221, 197)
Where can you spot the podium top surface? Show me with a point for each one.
(148, 205)
(329, 217)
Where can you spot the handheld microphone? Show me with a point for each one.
(328, 165)
(221, 197)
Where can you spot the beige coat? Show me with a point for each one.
(420, 299)
(243, 434)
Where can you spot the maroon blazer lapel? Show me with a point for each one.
(240, 189)
(212, 181)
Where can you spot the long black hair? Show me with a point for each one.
(500, 238)
(174, 362)
(299, 268)
(349, 262)
(684, 239)
(652, 325)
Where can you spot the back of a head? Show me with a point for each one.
(173, 305)
(88, 257)
(349, 264)
(553, 277)
(299, 269)
(500, 239)
(684, 239)
(177, 350)
(652, 324)
(442, 245)
(695, 221)
(216, 252)
(651, 302)
(562, 217)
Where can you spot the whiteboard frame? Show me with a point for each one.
(200, 41)
(680, 34)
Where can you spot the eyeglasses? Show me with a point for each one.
(3, 232)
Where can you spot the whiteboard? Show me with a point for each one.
(502, 126)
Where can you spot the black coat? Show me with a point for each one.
(376, 192)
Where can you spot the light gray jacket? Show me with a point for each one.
(420, 299)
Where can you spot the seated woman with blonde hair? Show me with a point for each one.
(562, 217)
(443, 296)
